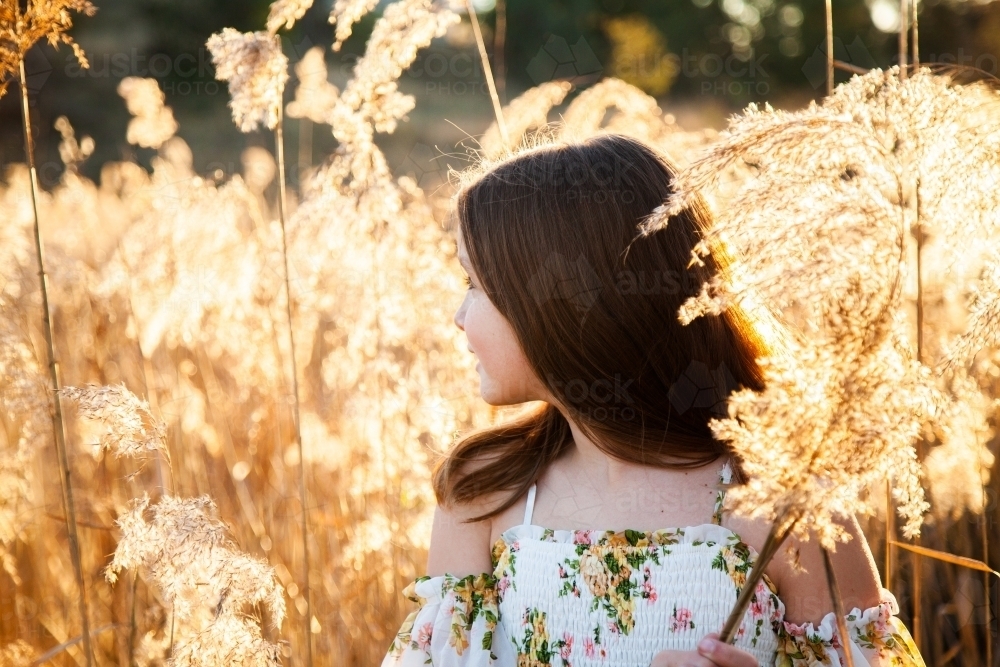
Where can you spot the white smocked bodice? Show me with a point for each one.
(582, 598)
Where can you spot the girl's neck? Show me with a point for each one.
(603, 470)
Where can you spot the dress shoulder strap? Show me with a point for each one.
(530, 505)
(725, 478)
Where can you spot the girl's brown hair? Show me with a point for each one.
(552, 233)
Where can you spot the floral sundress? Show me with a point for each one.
(584, 598)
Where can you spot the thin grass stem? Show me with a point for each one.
(501, 125)
(775, 538)
(829, 48)
(919, 236)
(903, 15)
(889, 532)
(280, 152)
(838, 607)
(131, 622)
(988, 620)
(57, 417)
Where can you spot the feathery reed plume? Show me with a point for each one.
(20, 30)
(16, 654)
(24, 414)
(152, 123)
(186, 553)
(256, 70)
(284, 14)
(315, 97)
(958, 468)
(344, 15)
(820, 230)
(130, 428)
(71, 151)
(633, 113)
(527, 111)
(371, 102)
(373, 92)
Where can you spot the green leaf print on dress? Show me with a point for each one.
(504, 559)
(606, 565)
(535, 648)
(734, 560)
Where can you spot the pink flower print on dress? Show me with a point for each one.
(680, 620)
(567, 646)
(648, 590)
(588, 647)
(583, 537)
(795, 630)
(881, 626)
(424, 636)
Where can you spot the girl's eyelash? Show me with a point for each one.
(468, 281)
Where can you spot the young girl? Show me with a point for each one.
(591, 530)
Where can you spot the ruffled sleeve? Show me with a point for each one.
(876, 638)
(455, 625)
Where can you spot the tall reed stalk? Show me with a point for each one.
(829, 48)
(501, 125)
(838, 607)
(903, 50)
(921, 449)
(918, 232)
(780, 531)
(279, 139)
(57, 417)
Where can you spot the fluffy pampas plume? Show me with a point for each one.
(256, 70)
(152, 122)
(185, 553)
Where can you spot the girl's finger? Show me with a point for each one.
(724, 655)
(681, 659)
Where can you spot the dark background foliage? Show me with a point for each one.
(704, 62)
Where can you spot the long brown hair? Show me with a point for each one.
(552, 232)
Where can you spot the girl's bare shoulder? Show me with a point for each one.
(799, 573)
(461, 542)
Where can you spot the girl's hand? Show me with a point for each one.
(711, 653)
